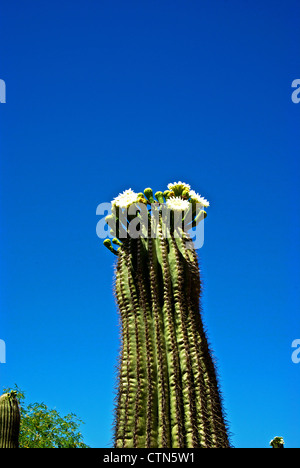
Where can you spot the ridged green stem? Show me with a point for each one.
(168, 393)
(9, 421)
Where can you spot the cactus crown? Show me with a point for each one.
(178, 199)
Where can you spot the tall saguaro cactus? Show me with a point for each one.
(9, 421)
(168, 393)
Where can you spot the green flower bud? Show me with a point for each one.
(149, 194)
(117, 242)
(159, 196)
(107, 243)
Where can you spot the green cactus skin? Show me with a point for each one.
(277, 442)
(9, 421)
(168, 392)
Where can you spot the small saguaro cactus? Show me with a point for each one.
(277, 442)
(168, 393)
(9, 420)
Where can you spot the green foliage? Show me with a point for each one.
(42, 427)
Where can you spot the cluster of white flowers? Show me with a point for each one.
(125, 199)
(176, 202)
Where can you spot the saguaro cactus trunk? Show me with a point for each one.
(9, 421)
(168, 393)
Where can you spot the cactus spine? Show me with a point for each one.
(168, 393)
(9, 421)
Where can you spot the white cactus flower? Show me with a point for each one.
(198, 199)
(177, 204)
(181, 185)
(125, 199)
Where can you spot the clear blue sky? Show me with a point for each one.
(103, 96)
